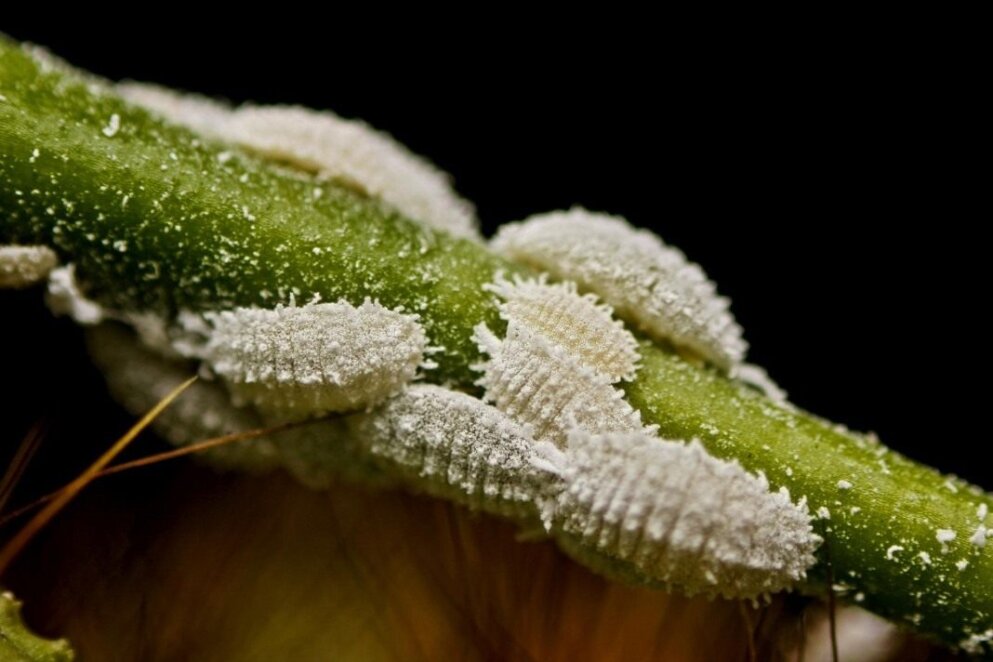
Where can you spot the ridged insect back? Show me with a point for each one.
(550, 371)
(304, 361)
(670, 513)
(544, 386)
(579, 322)
(453, 445)
(647, 282)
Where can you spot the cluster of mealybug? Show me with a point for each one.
(645, 280)
(553, 443)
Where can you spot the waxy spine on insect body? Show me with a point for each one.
(297, 362)
(155, 220)
(651, 284)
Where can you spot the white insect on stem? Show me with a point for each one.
(323, 143)
(669, 513)
(578, 322)
(552, 370)
(300, 362)
(647, 282)
(452, 445)
(541, 384)
(24, 266)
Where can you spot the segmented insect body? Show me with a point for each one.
(560, 445)
(323, 143)
(23, 266)
(452, 445)
(579, 322)
(544, 386)
(668, 513)
(301, 362)
(646, 281)
(139, 378)
(556, 366)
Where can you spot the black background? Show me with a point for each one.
(827, 184)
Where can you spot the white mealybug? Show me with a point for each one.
(647, 282)
(543, 385)
(349, 151)
(668, 513)
(557, 364)
(23, 266)
(579, 322)
(139, 378)
(452, 445)
(300, 362)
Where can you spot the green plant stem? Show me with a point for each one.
(158, 219)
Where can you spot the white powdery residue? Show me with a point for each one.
(823, 513)
(64, 297)
(978, 538)
(945, 535)
(544, 386)
(301, 362)
(961, 564)
(113, 126)
(139, 378)
(892, 550)
(23, 266)
(924, 557)
(671, 513)
(452, 445)
(646, 281)
(335, 148)
(982, 511)
(577, 323)
(844, 485)
(756, 376)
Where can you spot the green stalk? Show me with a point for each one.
(156, 218)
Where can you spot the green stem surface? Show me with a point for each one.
(156, 218)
